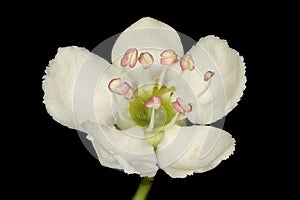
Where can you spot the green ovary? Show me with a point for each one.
(141, 115)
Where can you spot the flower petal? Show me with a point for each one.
(147, 33)
(193, 149)
(70, 77)
(217, 82)
(126, 150)
(229, 66)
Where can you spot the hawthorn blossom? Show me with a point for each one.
(149, 108)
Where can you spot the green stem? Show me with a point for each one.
(143, 189)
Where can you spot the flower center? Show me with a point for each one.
(152, 106)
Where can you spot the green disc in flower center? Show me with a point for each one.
(141, 115)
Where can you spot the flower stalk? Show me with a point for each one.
(143, 188)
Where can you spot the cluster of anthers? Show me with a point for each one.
(159, 95)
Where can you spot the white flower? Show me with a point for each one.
(148, 109)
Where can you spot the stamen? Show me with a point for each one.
(117, 87)
(146, 59)
(208, 75)
(181, 107)
(163, 75)
(186, 62)
(130, 58)
(204, 90)
(169, 57)
(130, 93)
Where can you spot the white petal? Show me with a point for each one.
(225, 88)
(69, 82)
(194, 149)
(126, 150)
(147, 33)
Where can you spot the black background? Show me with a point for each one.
(46, 159)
